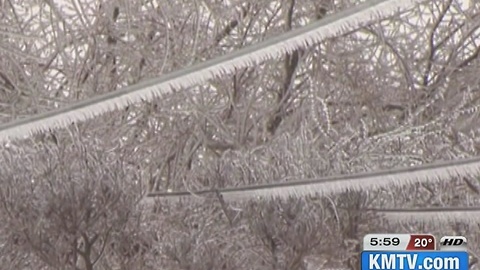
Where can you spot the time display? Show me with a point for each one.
(384, 241)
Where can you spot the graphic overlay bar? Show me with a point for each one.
(414, 260)
(453, 243)
(398, 242)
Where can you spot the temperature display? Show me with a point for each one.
(398, 242)
(421, 242)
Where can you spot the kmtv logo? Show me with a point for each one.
(453, 243)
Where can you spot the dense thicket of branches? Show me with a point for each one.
(397, 93)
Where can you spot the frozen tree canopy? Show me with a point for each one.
(234, 134)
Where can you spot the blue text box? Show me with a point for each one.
(411, 260)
